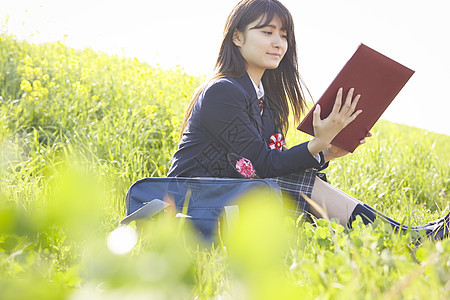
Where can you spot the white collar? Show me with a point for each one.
(258, 89)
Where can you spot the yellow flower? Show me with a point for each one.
(38, 72)
(35, 95)
(29, 72)
(26, 86)
(37, 85)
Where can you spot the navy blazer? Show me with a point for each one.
(226, 118)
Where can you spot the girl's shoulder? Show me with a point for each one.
(223, 83)
(237, 87)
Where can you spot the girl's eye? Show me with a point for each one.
(267, 32)
(284, 36)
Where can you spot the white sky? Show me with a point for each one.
(188, 33)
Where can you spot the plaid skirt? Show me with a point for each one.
(295, 184)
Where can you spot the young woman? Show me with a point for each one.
(244, 112)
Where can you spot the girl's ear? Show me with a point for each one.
(238, 38)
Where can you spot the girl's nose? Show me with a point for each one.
(276, 43)
(277, 40)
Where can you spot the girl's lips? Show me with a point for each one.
(274, 54)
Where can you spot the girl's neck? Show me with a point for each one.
(255, 75)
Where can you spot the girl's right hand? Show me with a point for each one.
(341, 115)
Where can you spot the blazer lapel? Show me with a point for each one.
(246, 83)
(268, 121)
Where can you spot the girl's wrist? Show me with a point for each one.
(327, 155)
(316, 145)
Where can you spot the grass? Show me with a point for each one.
(77, 128)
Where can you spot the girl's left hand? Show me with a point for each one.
(333, 152)
(363, 141)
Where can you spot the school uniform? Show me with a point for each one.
(226, 118)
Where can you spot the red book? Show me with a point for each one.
(377, 78)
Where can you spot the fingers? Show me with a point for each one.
(346, 108)
(316, 115)
(352, 117)
(337, 102)
(350, 103)
(316, 118)
(363, 141)
(354, 104)
(341, 115)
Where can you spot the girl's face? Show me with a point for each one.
(262, 48)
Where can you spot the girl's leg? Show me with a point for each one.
(344, 207)
(333, 201)
(337, 204)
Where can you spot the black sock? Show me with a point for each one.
(394, 223)
(366, 215)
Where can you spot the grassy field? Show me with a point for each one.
(77, 128)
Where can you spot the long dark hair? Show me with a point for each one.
(281, 85)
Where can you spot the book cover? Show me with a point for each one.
(373, 75)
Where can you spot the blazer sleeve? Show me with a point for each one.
(226, 114)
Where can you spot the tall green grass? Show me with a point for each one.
(78, 127)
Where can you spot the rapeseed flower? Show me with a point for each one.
(25, 85)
